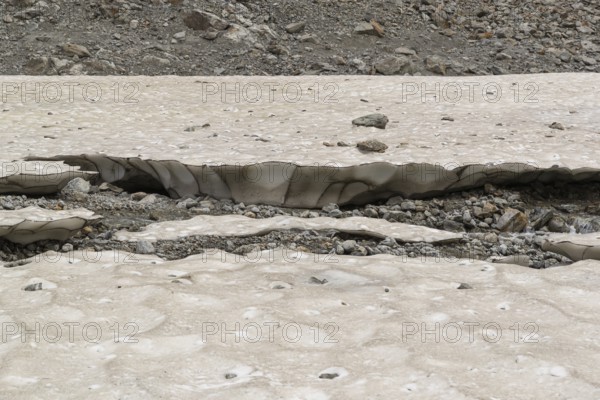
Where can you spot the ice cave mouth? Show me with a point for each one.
(309, 186)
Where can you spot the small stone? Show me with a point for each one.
(557, 225)
(365, 28)
(398, 65)
(375, 120)
(105, 186)
(329, 375)
(149, 199)
(335, 213)
(202, 20)
(67, 247)
(349, 245)
(137, 196)
(372, 145)
(512, 221)
(464, 286)
(144, 247)
(408, 206)
(278, 285)
(405, 51)
(436, 65)
(33, 287)
(557, 125)
(453, 226)
(330, 207)
(295, 27)
(76, 50)
(503, 56)
(77, 185)
(315, 280)
(309, 39)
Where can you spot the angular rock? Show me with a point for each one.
(405, 51)
(375, 120)
(377, 28)
(512, 221)
(558, 225)
(76, 50)
(295, 27)
(365, 28)
(399, 65)
(77, 185)
(199, 20)
(144, 247)
(151, 60)
(436, 65)
(453, 226)
(37, 66)
(373, 145)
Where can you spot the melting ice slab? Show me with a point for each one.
(38, 177)
(239, 225)
(30, 224)
(261, 139)
(575, 246)
(221, 326)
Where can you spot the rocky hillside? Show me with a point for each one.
(291, 37)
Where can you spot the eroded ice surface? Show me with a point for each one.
(533, 332)
(239, 225)
(30, 224)
(235, 137)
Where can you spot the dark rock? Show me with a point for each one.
(372, 145)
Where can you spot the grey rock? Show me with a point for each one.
(328, 375)
(295, 27)
(372, 145)
(405, 51)
(408, 206)
(349, 245)
(436, 65)
(376, 120)
(154, 61)
(76, 50)
(77, 185)
(202, 20)
(365, 28)
(67, 247)
(518, 259)
(453, 226)
(33, 287)
(309, 39)
(398, 65)
(330, 207)
(512, 221)
(144, 247)
(557, 125)
(37, 66)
